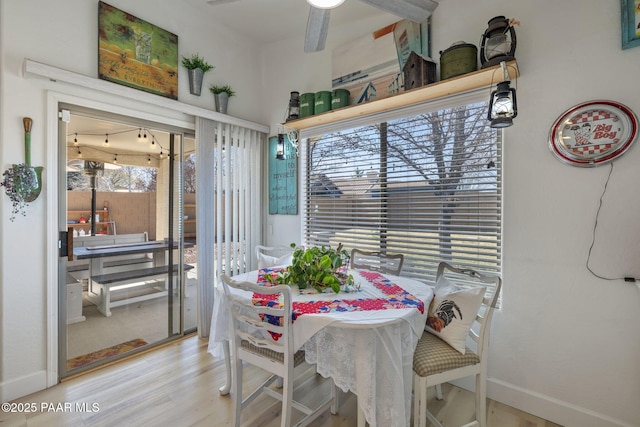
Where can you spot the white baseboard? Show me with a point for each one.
(19, 387)
(557, 411)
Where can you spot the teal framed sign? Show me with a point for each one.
(283, 179)
(630, 23)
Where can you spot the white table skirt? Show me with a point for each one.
(369, 353)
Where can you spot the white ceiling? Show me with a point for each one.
(266, 21)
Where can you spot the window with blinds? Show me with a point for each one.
(427, 185)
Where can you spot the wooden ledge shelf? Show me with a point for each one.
(452, 86)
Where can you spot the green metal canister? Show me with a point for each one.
(460, 58)
(307, 101)
(322, 102)
(339, 98)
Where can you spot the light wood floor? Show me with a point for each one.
(177, 385)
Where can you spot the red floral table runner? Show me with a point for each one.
(394, 297)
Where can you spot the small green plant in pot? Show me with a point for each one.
(196, 61)
(318, 268)
(221, 95)
(196, 66)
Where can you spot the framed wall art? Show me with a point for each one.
(135, 53)
(283, 179)
(370, 67)
(630, 23)
(593, 133)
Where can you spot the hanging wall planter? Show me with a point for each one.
(195, 81)
(196, 67)
(221, 95)
(22, 182)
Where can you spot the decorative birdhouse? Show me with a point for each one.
(418, 71)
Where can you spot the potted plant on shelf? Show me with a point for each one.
(196, 67)
(320, 268)
(221, 95)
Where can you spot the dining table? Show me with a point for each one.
(362, 339)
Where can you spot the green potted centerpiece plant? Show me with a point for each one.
(317, 267)
(196, 67)
(221, 95)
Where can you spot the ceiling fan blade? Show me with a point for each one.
(413, 10)
(317, 29)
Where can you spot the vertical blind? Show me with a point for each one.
(228, 210)
(426, 184)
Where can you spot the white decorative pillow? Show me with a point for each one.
(267, 261)
(452, 312)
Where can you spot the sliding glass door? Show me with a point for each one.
(123, 270)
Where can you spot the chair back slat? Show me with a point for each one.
(377, 261)
(273, 311)
(259, 325)
(263, 326)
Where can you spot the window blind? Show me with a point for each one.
(427, 184)
(228, 210)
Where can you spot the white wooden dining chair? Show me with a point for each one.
(270, 256)
(252, 332)
(377, 261)
(436, 362)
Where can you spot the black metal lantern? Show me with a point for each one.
(293, 112)
(280, 148)
(498, 42)
(503, 106)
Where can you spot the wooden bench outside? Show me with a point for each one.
(100, 292)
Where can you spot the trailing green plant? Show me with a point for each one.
(316, 267)
(196, 61)
(18, 181)
(219, 89)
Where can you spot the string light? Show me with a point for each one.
(94, 151)
(142, 137)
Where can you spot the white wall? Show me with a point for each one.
(565, 345)
(64, 34)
